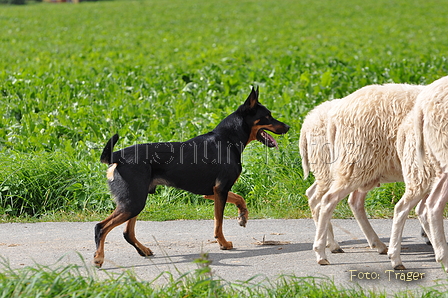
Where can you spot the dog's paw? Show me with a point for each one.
(98, 261)
(144, 251)
(227, 246)
(242, 218)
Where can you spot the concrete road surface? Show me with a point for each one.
(176, 244)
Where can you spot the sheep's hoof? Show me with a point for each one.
(323, 262)
(400, 267)
(338, 251)
(383, 252)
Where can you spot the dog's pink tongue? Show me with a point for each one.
(270, 139)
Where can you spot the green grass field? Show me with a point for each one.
(155, 70)
(72, 75)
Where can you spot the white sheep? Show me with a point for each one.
(431, 132)
(418, 180)
(362, 130)
(315, 156)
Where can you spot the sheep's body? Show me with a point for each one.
(431, 132)
(362, 130)
(315, 153)
(418, 180)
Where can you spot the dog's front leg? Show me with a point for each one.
(240, 203)
(220, 204)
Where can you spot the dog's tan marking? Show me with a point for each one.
(129, 235)
(253, 132)
(219, 208)
(110, 172)
(115, 219)
(256, 128)
(239, 202)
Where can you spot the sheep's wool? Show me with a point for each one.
(363, 130)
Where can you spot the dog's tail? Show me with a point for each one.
(106, 156)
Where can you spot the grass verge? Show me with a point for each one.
(83, 281)
(80, 281)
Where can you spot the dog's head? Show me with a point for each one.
(260, 120)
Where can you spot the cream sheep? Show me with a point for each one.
(418, 182)
(431, 132)
(362, 130)
(315, 155)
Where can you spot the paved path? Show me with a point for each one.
(177, 243)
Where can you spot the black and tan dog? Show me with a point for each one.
(208, 165)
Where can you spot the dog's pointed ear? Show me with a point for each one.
(252, 100)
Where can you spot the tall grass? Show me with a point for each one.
(80, 281)
(152, 70)
(36, 183)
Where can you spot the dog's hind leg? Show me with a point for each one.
(220, 203)
(102, 229)
(240, 203)
(130, 188)
(129, 235)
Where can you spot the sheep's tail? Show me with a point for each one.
(106, 156)
(419, 141)
(303, 148)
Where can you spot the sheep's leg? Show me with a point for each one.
(356, 202)
(314, 195)
(422, 213)
(313, 201)
(332, 244)
(328, 204)
(435, 204)
(401, 213)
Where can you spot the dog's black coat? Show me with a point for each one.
(196, 165)
(208, 164)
